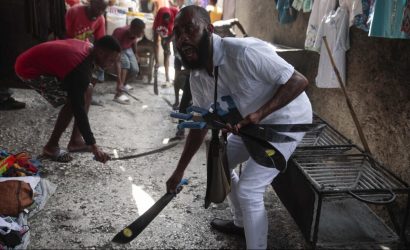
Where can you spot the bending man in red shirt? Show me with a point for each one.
(127, 67)
(71, 61)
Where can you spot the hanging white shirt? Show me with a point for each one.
(336, 29)
(354, 8)
(250, 71)
(320, 9)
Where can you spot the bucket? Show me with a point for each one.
(114, 21)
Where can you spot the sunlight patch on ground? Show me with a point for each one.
(142, 199)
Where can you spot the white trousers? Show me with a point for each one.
(247, 191)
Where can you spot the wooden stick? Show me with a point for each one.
(349, 104)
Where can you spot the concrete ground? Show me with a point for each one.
(94, 201)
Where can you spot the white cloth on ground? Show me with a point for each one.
(31, 180)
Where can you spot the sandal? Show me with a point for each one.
(122, 99)
(62, 156)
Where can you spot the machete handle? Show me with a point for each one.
(183, 182)
(192, 125)
(181, 116)
(219, 110)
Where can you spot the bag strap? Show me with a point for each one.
(216, 85)
(215, 132)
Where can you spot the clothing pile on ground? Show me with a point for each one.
(23, 194)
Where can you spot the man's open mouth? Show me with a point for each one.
(188, 51)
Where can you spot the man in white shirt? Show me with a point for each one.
(265, 89)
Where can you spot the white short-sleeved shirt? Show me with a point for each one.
(250, 71)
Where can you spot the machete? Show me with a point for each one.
(171, 145)
(134, 229)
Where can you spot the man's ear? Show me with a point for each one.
(210, 28)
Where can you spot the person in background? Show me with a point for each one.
(86, 23)
(158, 4)
(127, 67)
(215, 12)
(266, 90)
(162, 28)
(71, 61)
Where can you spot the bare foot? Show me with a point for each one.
(78, 147)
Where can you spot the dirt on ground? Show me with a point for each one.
(94, 201)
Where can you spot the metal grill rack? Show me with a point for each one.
(347, 173)
(325, 138)
(329, 176)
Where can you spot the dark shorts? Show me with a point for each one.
(54, 90)
(50, 88)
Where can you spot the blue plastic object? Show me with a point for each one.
(196, 109)
(181, 116)
(228, 99)
(193, 125)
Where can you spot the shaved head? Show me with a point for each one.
(96, 8)
(197, 13)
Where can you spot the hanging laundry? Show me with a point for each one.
(320, 9)
(305, 5)
(286, 13)
(405, 26)
(387, 19)
(354, 7)
(335, 27)
(362, 21)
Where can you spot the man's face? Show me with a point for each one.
(106, 58)
(192, 40)
(136, 32)
(165, 20)
(97, 8)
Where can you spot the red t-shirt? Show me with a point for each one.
(72, 2)
(158, 26)
(80, 27)
(55, 58)
(123, 37)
